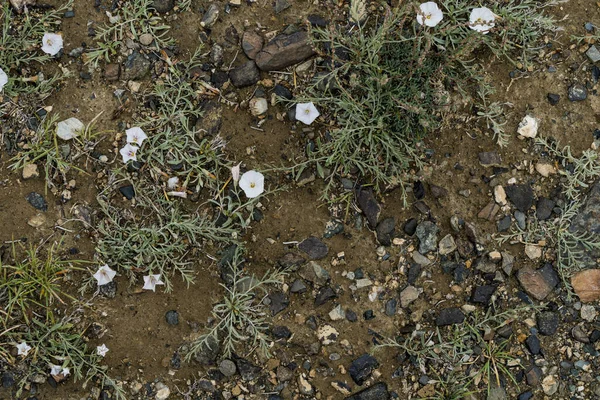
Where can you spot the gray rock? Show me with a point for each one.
(508, 262)
(482, 294)
(137, 66)
(281, 5)
(447, 245)
(427, 234)
(248, 371)
(520, 195)
(245, 75)
(210, 16)
(37, 201)
(172, 317)
(324, 295)
(593, 54)
(521, 219)
(385, 231)
(577, 92)
(208, 352)
(284, 51)
(587, 222)
(314, 273)
(298, 286)
(490, 158)
(314, 248)
(109, 290)
(504, 224)
(408, 295)
(378, 391)
(390, 307)
(279, 302)
(547, 323)
(216, 55)
(291, 261)
(544, 208)
(227, 368)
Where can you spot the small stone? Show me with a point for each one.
(427, 233)
(258, 106)
(172, 317)
(314, 248)
(37, 201)
(163, 394)
(504, 224)
(482, 294)
(547, 323)
(30, 171)
(550, 385)
(163, 6)
(489, 211)
(36, 221)
(112, 72)
(362, 368)
(588, 313)
(577, 92)
(447, 245)
(533, 345)
(533, 251)
(210, 16)
(528, 127)
(327, 334)
(245, 75)
(368, 205)
(252, 43)
(553, 98)
(533, 376)
(488, 159)
(298, 286)
(410, 226)
(545, 169)
(538, 283)
(385, 231)
(146, 39)
(391, 307)
(137, 66)
(521, 219)
(378, 391)
(324, 295)
(69, 128)
(337, 313)
(450, 316)
(127, 191)
(593, 54)
(227, 368)
(279, 302)
(500, 195)
(281, 5)
(284, 51)
(586, 285)
(304, 386)
(408, 295)
(438, 192)
(520, 195)
(543, 208)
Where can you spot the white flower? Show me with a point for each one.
(69, 128)
(52, 43)
(102, 350)
(150, 282)
(253, 183)
(128, 152)
(104, 275)
(55, 369)
(23, 349)
(3, 79)
(235, 173)
(65, 372)
(136, 135)
(482, 19)
(172, 182)
(429, 14)
(306, 112)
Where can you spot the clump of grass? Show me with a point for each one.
(388, 82)
(241, 317)
(570, 244)
(30, 287)
(63, 345)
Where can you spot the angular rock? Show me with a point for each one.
(291, 261)
(112, 72)
(427, 233)
(553, 98)
(587, 285)
(163, 6)
(450, 316)
(362, 368)
(577, 92)
(488, 159)
(385, 231)
(489, 211)
(378, 391)
(208, 353)
(314, 273)
(447, 245)
(245, 75)
(587, 222)
(368, 205)
(593, 54)
(284, 50)
(137, 66)
(533, 345)
(279, 302)
(281, 5)
(547, 323)
(325, 294)
(210, 17)
(252, 43)
(543, 208)
(520, 195)
(314, 248)
(538, 283)
(247, 370)
(408, 295)
(482, 294)
(528, 127)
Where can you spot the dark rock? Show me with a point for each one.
(333, 227)
(368, 315)
(163, 6)
(225, 264)
(232, 36)
(37, 201)
(504, 224)
(172, 317)
(108, 290)
(553, 98)
(325, 294)
(521, 219)
(595, 336)
(533, 345)
(281, 332)
(490, 158)
(465, 247)
(245, 75)
(112, 72)
(544, 208)
(127, 191)
(252, 43)
(216, 55)
(247, 370)
(298, 286)
(422, 207)
(520, 195)
(317, 21)
(212, 118)
(279, 302)
(314, 248)
(390, 307)
(538, 283)
(368, 205)
(534, 376)
(547, 322)
(450, 316)
(8, 380)
(418, 190)
(282, 91)
(218, 79)
(314, 273)
(351, 315)
(210, 17)
(378, 391)
(577, 92)
(410, 226)
(281, 5)
(482, 294)
(437, 191)
(137, 66)
(284, 50)
(489, 211)
(587, 223)
(385, 231)
(414, 272)
(69, 14)
(427, 233)
(528, 395)
(362, 368)
(208, 353)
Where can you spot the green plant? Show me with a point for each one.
(61, 344)
(131, 17)
(240, 318)
(30, 287)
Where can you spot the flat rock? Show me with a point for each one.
(291, 261)
(368, 205)
(284, 51)
(324, 295)
(69, 128)
(490, 158)
(543, 208)
(137, 66)
(252, 43)
(378, 391)
(314, 248)
(489, 211)
(447, 245)
(30, 171)
(450, 316)
(408, 295)
(482, 294)
(520, 195)
(547, 323)
(528, 127)
(577, 92)
(279, 302)
(245, 75)
(587, 285)
(538, 283)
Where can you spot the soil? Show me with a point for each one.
(141, 343)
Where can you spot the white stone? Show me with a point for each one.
(528, 127)
(30, 171)
(533, 251)
(550, 385)
(163, 394)
(500, 195)
(545, 169)
(69, 128)
(258, 106)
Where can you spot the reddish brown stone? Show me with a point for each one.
(283, 51)
(112, 72)
(587, 285)
(252, 43)
(489, 212)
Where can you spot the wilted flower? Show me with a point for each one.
(3, 79)
(65, 372)
(482, 19)
(252, 183)
(52, 43)
(104, 275)
(150, 282)
(306, 112)
(172, 182)
(23, 349)
(102, 350)
(136, 135)
(235, 173)
(429, 14)
(55, 369)
(128, 152)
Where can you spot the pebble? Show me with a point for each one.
(410, 226)
(533, 252)
(553, 98)
(37, 220)
(521, 195)
(146, 39)
(587, 285)
(427, 233)
(37, 201)
(447, 245)
(528, 127)
(314, 248)
(362, 368)
(210, 16)
(258, 106)
(588, 312)
(450, 316)
(408, 295)
(69, 128)
(172, 317)
(545, 169)
(550, 385)
(163, 394)
(593, 54)
(500, 195)
(538, 283)
(577, 92)
(227, 368)
(337, 313)
(327, 334)
(30, 171)
(547, 323)
(521, 219)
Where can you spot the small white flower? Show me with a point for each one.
(136, 136)
(150, 282)
(55, 369)
(172, 182)
(102, 350)
(65, 372)
(104, 275)
(52, 43)
(252, 183)
(3, 79)
(482, 19)
(235, 173)
(429, 14)
(23, 349)
(306, 112)
(128, 152)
